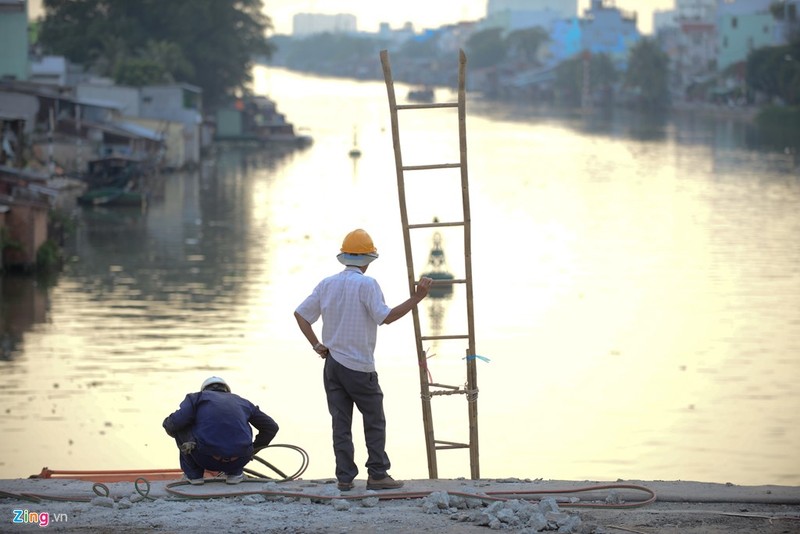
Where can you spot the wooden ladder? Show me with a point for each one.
(429, 389)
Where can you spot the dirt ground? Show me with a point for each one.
(422, 506)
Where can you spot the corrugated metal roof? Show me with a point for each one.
(139, 130)
(99, 103)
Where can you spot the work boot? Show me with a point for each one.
(234, 479)
(384, 483)
(193, 481)
(345, 486)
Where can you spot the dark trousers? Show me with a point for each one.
(345, 387)
(194, 463)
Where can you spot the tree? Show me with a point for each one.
(570, 74)
(486, 48)
(208, 43)
(335, 54)
(775, 71)
(647, 76)
(525, 43)
(137, 72)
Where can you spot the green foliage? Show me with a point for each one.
(419, 48)
(208, 43)
(6, 242)
(139, 71)
(525, 43)
(329, 53)
(486, 48)
(61, 220)
(775, 71)
(779, 128)
(570, 77)
(490, 47)
(648, 76)
(48, 257)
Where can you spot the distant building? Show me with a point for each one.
(743, 26)
(565, 8)
(454, 37)
(566, 41)
(396, 37)
(688, 35)
(14, 40)
(511, 15)
(305, 24)
(698, 10)
(609, 30)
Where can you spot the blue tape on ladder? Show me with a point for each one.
(473, 356)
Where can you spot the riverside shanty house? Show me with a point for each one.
(23, 216)
(65, 131)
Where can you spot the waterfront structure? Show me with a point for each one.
(180, 103)
(23, 222)
(171, 111)
(14, 62)
(53, 70)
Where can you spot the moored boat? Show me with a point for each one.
(421, 94)
(256, 119)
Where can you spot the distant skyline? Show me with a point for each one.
(426, 14)
(422, 13)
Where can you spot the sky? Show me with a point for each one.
(422, 13)
(425, 13)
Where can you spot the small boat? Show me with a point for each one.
(424, 94)
(355, 152)
(111, 196)
(438, 269)
(256, 119)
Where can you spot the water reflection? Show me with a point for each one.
(638, 295)
(23, 304)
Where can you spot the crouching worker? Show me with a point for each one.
(212, 429)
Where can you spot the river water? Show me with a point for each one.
(637, 297)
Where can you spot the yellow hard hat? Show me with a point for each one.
(357, 249)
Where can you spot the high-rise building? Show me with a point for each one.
(304, 24)
(565, 8)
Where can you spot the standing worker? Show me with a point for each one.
(212, 430)
(352, 306)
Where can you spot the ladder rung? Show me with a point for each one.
(443, 386)
(432, 167)
(430, 338)
(448, 282)
(435, 224)
(428, 106)
(445, 393)
(450, 445)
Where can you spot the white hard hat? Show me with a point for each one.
(214, 380)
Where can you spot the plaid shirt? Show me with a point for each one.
(352, 306)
